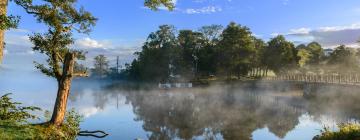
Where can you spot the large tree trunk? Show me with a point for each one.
(64, 84)
(3, 8)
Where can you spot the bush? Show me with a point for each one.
(14, 125)
(12, 111)
(347, 131)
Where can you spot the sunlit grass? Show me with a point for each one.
(348, 131)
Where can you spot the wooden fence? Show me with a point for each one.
(330, 79)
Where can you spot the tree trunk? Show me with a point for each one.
(266, 72)
(64, 84)
(3, 8)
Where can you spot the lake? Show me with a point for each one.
(240, 111)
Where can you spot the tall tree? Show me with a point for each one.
(62, 19)
(190, 43)
(235, 49)
(3, 8)
(207, 54)
(211, 33)
(282, 55)
(101, 65)
(304, 56)
(6, 22)
(154, 62)
(152, 4)
(316, 52)
(344, 59)
(258, 57)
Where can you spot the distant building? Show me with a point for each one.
(327, 52)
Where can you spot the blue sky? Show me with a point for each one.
(124, 24)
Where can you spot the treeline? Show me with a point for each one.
(231, 52)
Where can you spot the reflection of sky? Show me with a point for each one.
(110, 113)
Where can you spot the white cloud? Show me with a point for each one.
(20, 40)
(329, 36)
(274, 34)
(339, 28)
(88, 111)
(300, 31)
(203, 10)
(88, 43)
(257, 35)
(162, 7)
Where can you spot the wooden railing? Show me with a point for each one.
(331, 79)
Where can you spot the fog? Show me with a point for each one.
(245, 110)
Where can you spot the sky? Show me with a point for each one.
(123, 25)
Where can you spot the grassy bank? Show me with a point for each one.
(14, 123)
(346, 132)
(13, 131)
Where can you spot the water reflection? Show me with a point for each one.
(231, 112)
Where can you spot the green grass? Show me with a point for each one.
(14, 123)
(13, 131)
(346, 132)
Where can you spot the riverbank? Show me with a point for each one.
(15, 122)
(15, 131)
(350, 131)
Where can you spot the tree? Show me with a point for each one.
(316, 51)
(6, 22)
(154, 62)
(344, 59)
(235, 49)
(101, 65)
(154, 4)
(258, 58)
(211, 33)
(190, 42)
(3, 25)
(304, 56)
(282, 55)
(207, 53)
(61, 18)
(11, 21)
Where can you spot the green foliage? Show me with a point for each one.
(282, 55)
(13, 126)
(154, 4)
(62, 18)
(12, 111)
(72, 121)
(153, 61)
(346, 131)
(231, 53)
(211, 33)
(67, 131)
(8, 22)
(304, 56)
(310, 55)
(235, 49)
(101, 65)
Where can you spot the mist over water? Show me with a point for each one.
(252, 110)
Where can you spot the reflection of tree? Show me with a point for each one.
(234, 113)
(227, 112)
(338, 101)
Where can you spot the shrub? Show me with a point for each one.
(347, 131)
(14, 125)
(12, 111)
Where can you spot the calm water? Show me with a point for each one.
(239, 112)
